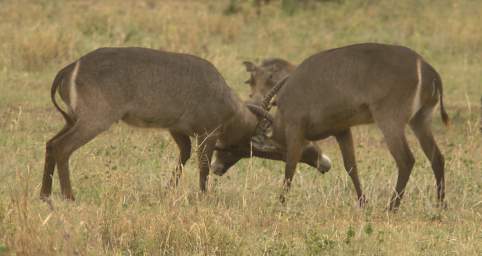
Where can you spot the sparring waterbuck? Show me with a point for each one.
(333, 90)
(149, 88)
(312, 155)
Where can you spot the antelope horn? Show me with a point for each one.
(260, 112)
(273, 91)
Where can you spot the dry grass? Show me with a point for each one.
(123, 206)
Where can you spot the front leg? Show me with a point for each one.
(345, 141)
(183, 142)
(205, 153)
(294, 147)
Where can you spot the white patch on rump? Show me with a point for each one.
(417, 104)
(73, 88)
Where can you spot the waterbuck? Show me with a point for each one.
(333, 90)
(149, 88)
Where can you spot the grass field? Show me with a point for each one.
(123, 206)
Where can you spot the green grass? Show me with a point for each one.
(123, 206)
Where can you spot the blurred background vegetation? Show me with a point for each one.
(40, 36)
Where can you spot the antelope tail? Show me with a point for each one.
(55, 85)
(443, 113)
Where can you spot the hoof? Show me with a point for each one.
(393, 208)
(69, 198)
(282, 199)
(362, 202)
(442, 205)
(172, 184)
(44, 197)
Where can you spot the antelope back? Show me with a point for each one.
(150, 88)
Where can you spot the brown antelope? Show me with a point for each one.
(333, 90)
(149, 88)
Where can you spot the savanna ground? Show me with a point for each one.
(123, 206)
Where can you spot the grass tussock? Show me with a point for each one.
(123, 205)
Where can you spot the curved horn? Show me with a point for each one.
(260, 112)
(273, 91)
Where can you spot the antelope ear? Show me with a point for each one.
(250, 80)
(250, 66)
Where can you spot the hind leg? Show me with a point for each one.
(420, 125)
(184, 144)
(391, 119)
(64, 145)
(49, 166)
